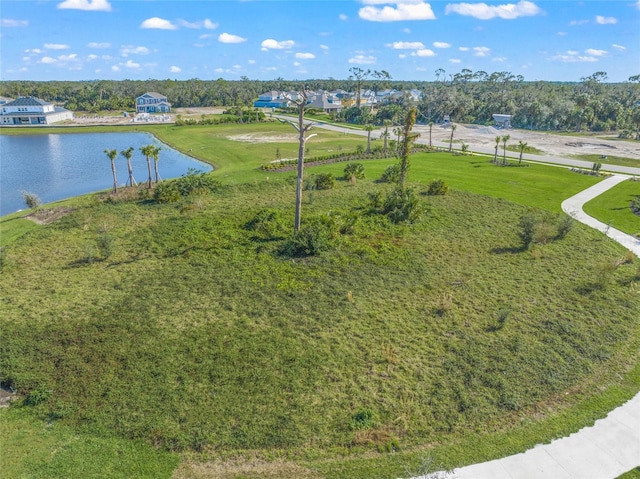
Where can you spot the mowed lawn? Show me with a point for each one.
(183, 332)
(613, 207)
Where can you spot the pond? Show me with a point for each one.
(58, 166)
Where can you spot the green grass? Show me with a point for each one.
(36, 448)
(528, 149)
(632, 474)
(610, 159)
(612, 207)
(192, 311)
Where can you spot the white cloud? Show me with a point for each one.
(362, 60)
(175, 69)
(35, 51)
(406, 30)
(324, 47)
(403, 11)
(600, 20)
(47, 60)
(578, 22)
(92, 57)
(482, 11)
(305, 56)
(229, 38)
(115, 68)
(343, 17)
(573, 57)
(9, 23)
(90, 5)
(425, 52)
(132, 64)
(481, 51)
(638, 4)
(499, 59)
(204, 36)
(296, 64)
(158, 23)
(595, 53)
(251, 62)
(618, 47)
(441, 45)
(464, 49)
(98, 45)
(406, 45)
(68, 58)
(562, 34)
(421, 69)
(219, 70)
(56, 46)
(206, 23)
(271, 44)
(455, 60)
(127, 50)
(402, 56)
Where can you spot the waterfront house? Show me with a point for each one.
(274, 99)
(27, 110)
(152, 102)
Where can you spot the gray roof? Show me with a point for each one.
(154, 94)
(28, 101)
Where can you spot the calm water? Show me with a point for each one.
(60, 166)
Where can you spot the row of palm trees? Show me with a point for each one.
(149, 151)
(521, 147)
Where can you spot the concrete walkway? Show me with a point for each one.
(605, 450)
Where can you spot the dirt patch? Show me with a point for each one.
(46, 216)
(581, 144)
(260, 138)
(6, 396)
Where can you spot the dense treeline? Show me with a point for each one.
(468, 97)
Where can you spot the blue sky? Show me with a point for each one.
(267, 39)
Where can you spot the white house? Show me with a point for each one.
(27, 110)
(275, 99)
(325, 101)
(502, 121)
(152, 102)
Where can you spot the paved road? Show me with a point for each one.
(603, 451)
(627, 170)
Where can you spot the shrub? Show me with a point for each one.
(166, 192)
(437, 187)
(527, 230)
(635, 205)
(324, 181)
(268, 222)
(104, 242)
(363, 419)
(402, 205)
(31, 199)
(375, 200)
(314, 237)
(355, 170)
(37, 396)
(391, 174)
(196, 180)
(564, 226)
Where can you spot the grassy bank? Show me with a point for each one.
(147, 322)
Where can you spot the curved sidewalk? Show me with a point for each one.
(605, 450)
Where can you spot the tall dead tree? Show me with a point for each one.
(301, 103)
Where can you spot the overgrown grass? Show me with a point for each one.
(613, 207)
(195, 333)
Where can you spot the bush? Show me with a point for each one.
(565, 225)
(324, 181)
(437, 187)
(313, 238)
(268, 222)
(375, 200)
(196, 180)
(402, 205)
(355, 170)
(363, 419)
(391, 174)
(166, 192)
(527, 230)
(635, 205)
(37, 396)
(31, 199)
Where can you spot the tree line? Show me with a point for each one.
(590, 104)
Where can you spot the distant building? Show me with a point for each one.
(4, 100)
(502, 121)
(152, 102)
(28, 110)
(274, 99)
(326, 102)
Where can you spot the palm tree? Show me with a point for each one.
(385, 135)
(495, 155)
(397, 132)
(430, 128)
(369, 128)
(156, 156)
(505, 138)
(113, 154)
(453, 128)
(521, 146)
(128, 153)
(147, 151)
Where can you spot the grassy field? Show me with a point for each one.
(169, 332)
(612, 207)
(610, 159)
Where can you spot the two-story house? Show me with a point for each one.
(273, 99)
(27, 110)
(152, 102)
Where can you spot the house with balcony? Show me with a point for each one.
(28, 110)
(152, 102)
(275, 99)
(325, 101)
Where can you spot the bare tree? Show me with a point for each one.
(359, 75)
(301, 103)
(113, 154)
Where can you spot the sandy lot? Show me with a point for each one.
(551, 144)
